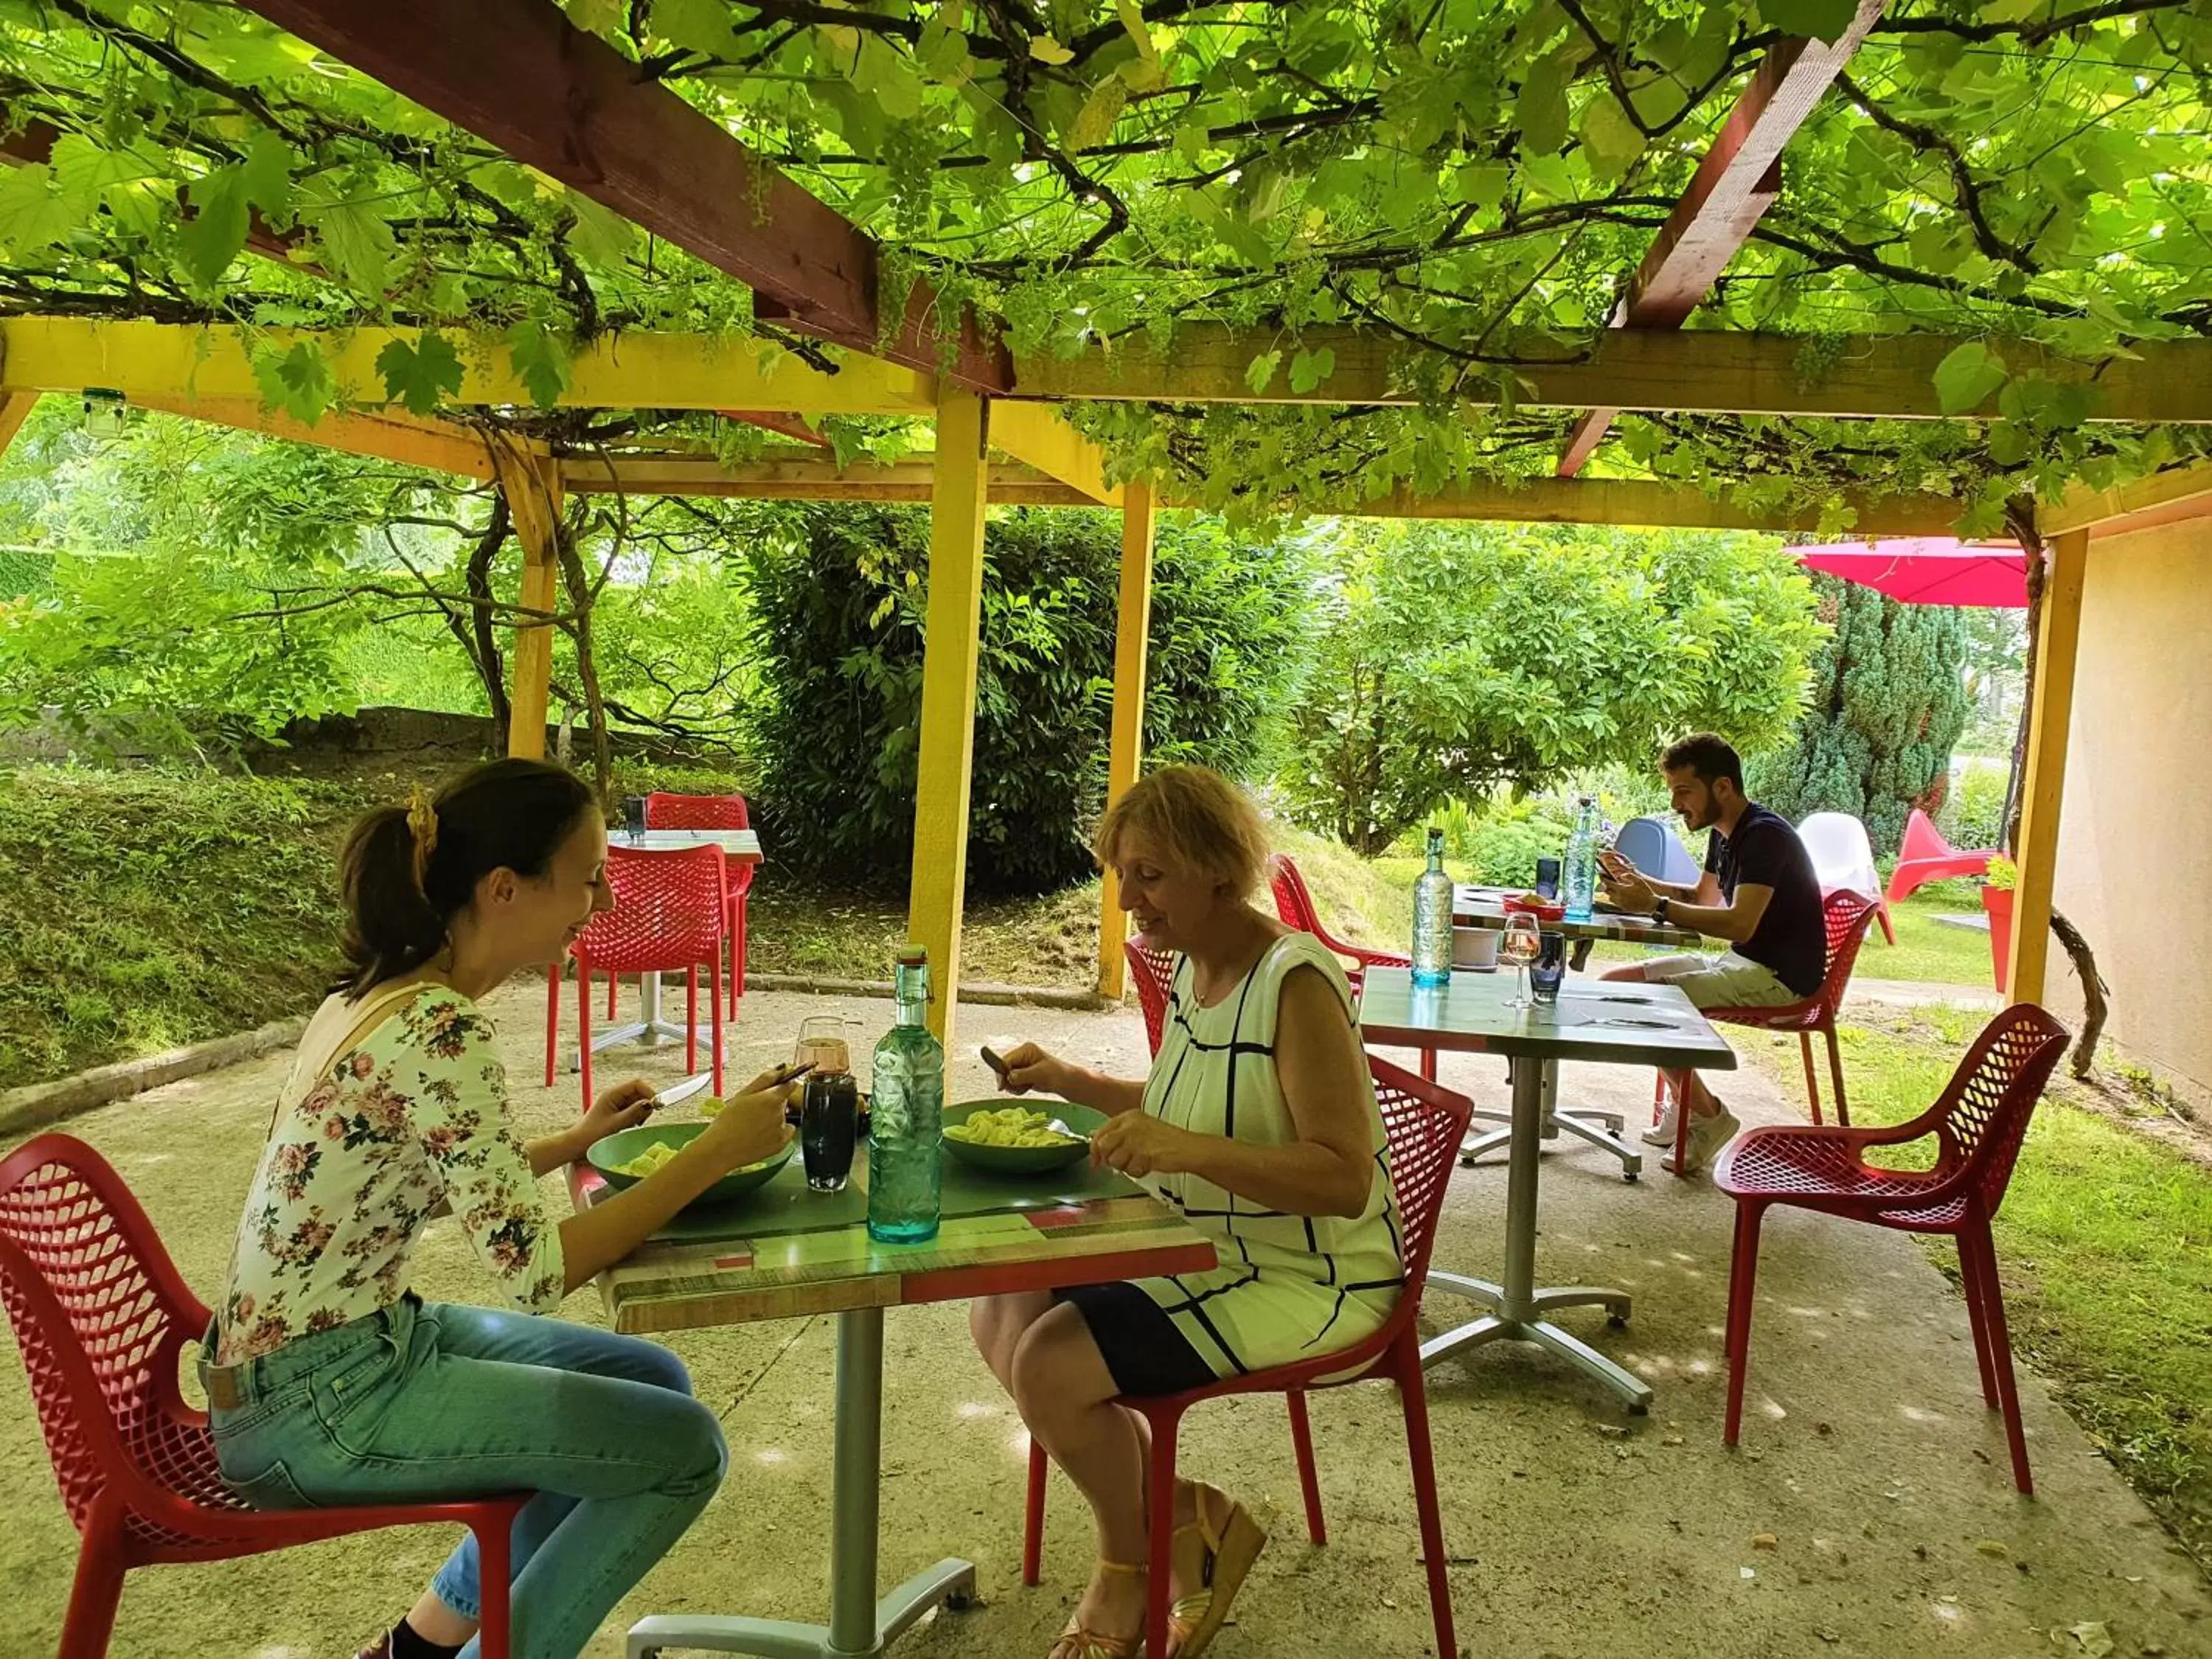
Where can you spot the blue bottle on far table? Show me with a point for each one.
(1432, 918)
(1581, 874)
(906, 1152)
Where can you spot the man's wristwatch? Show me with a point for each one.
(1659, 907)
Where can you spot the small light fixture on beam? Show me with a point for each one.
(103, 412)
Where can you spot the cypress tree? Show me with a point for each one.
(1885, 705)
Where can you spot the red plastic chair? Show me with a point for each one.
(669, 916)
(1295, 906)
(1425, 1124)
(1846, 914)
(1154, 973)
(663, 810)
(102, 1317)
(1978, 1124)
(1926, 857)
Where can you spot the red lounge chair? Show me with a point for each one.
(1926, 857)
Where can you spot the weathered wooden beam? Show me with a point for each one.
(1125, 747)
(617, 371)
(2181, 492)
(784, 426)
(1692, 371)
(1736, 183)
(519, 74)
(533, 488)
(1041, 437)
(1646, 503)
(2051, 720)
(910, 479)
(438, 445)
(14, 409)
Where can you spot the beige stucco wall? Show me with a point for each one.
(2134, 850)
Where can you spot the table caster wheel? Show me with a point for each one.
(960, 1601)
(1617, 1318)
(1630, 1175)
(1639, 1411)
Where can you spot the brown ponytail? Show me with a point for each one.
(407, 872)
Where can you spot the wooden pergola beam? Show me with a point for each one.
(911, 479)
(1042, 438)
(2181, 492)
(438, 445)
(1733, 186)
(784, 426)
(520, 75)
(620, 371)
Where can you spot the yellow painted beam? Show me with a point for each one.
(1706, 371)
(2178, 492)
(532, 489)
(619, 371)
(2058, 636)
(1124, 747)
(910, 479)
(14, 409)
(952, 648)
(1041, 436)
(438, 445)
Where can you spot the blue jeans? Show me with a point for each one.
(431, 1401)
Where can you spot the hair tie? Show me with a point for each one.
(423, 829)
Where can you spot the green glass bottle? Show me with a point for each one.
(906, 1116)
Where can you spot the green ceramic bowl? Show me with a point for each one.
(629, 1144)
(1023, 1160)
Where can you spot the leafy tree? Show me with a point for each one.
(1454, 661)
(842, 594)
(1888, 704)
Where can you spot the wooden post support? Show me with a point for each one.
(2056, 637)
(1132, 637)
(950, 650)
(14, 409)
(533, 498)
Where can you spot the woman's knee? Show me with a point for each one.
(701, 1453)
(1057, 1367)
(659, 1367)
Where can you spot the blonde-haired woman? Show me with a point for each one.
(1259, 1124)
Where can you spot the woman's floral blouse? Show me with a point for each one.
(413, 1114)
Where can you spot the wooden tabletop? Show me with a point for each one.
(768, 1269)
(1487, 906)
(1613, 1021)
(740, 846)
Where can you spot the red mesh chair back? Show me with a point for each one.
(102, 1315)
(1426, 1123)
(1981, 1116)
(665, 810)
(1845, 914)
(1293, 904)
(1154, 973)
(668, 912)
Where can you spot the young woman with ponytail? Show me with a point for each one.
(329, 1381)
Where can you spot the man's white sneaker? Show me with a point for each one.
(1662, 1134)
(1707, 1136)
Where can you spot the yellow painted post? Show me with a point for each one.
(2058, 635)
(14, 409)
(533, 498)
(950, 650)
(1132, 636)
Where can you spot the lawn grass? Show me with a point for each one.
(2105, 1243)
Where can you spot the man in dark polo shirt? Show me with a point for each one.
(1758, 894)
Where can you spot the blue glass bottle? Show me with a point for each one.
(1432, 918)
(1580, 877)
(906, 1116)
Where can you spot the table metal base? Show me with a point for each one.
(1603, 1130)
(650, 1031)
(1516, 1306)
(860, 1626)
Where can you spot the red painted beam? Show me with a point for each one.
(519, 76)
(1733, 186)
(789, 426)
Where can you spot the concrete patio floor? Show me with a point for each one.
(1868, 1513)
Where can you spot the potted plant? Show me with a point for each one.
(1997, 882)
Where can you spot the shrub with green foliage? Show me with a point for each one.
(1459, 660)
(841, 592)
(1973, 810)
(1888, 704)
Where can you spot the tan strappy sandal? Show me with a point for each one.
(1232, 1545)
(1076, 1643)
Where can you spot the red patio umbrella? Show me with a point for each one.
(1928, 569)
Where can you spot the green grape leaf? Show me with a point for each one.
(883, 72)
(1310, 368)
(601, 17)
(298, 381)
(84, 168)
(541, 359)
(1821, 20)
(1094, 123)
(354, 235)
(214, 234)
(1610, 136)
(1132, 23)
(701, 25)
(422, 375)
(941, 52)
(1261, 370)
(1968, 376)
(1541, 110)
(1046, 50)
(602, 236)
(1482, 183)
(268, 168)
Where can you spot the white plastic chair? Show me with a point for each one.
(1650, 845)
(1842, 858)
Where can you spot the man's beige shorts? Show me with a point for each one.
(1727, 981)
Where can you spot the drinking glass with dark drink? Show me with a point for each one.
(1550, 968)
(828, 1120)
(634, 816)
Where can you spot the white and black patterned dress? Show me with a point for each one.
(1288, 1287)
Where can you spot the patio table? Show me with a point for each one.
(649, 1029)
(779, 1260)
(1486, 905)
(1611, 1023)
